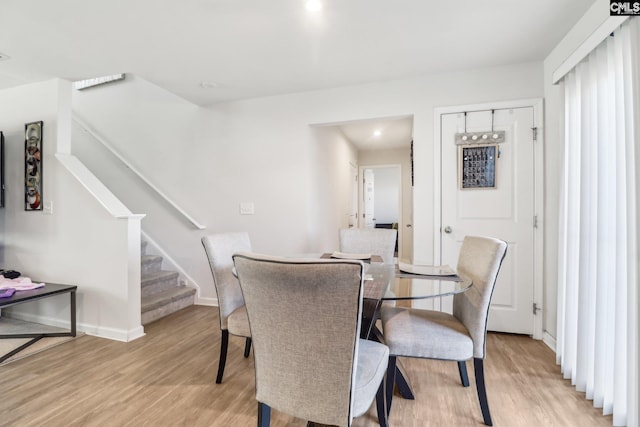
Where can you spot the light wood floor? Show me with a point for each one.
(167, 378)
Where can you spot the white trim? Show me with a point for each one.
(590, 43)
(94, 330)
(549, 341)
(538, 117)
(113, 151)
(211, 302)
(95, 187)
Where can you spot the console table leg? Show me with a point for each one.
(73, 313)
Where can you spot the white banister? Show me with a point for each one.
(113, 151)
(93, 185)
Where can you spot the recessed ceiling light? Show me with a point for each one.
(313, 5)
(208, 85)
(377, 132)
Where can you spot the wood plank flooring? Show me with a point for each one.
(167, 378)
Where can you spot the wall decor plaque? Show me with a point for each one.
(1, 170)
(478, 166)
(33, 166)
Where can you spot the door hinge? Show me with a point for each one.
(536, 308)
(535, 133)
(535, 221)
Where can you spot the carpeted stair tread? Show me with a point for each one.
(162, 291)
(165, 297)
(158, 275)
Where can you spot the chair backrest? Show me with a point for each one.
(480, 260)
(304, 317)
(219, 248)
(376, 241)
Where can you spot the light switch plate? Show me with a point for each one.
(47, 208)
(247, 208)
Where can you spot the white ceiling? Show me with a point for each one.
(394, 133)
(256, 48)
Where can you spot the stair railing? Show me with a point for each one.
(113, 151)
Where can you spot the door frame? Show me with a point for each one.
(538, 203)
(400, 190)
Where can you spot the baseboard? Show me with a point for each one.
(94, 330)
(549, 341)
(213, 302)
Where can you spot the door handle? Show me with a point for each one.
(408, 225)
(447, 230)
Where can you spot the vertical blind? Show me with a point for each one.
(597, 337)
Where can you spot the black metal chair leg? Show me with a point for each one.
(403, 385)
(247, 347)
(482, 391)
(462, 368)
(390, 382)
(381, 405)
(224, 343)
(264, 415)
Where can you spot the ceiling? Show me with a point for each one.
(211, 51)
(253, 48)
(378, 134)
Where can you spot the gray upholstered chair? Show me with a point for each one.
(375, 241)
(459, 337)
(304, 316)
(233, 315)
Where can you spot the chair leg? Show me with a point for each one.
(224, 343)
(381, 405)
(403, 384)
(462, 368)
(482, 391)
(264, 415)
(391, 382)
(247, 347)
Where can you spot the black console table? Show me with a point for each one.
(49, 290)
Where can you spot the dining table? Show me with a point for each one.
(401, 284)
(404, 284)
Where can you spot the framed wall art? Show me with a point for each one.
(478, 166)
(33, 166)
(1, 170)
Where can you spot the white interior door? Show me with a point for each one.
(505, 211)
(368, 186)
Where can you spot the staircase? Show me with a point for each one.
(162, 294)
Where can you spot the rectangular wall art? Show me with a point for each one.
(478, 166)
(33, 166)
(1, 170)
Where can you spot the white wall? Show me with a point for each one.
(79, 243)
(330, 192)
(402, 157)
(266, 151)
(554, 153)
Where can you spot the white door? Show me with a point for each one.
(368, 192)
(497, 200)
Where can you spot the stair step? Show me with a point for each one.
(150, 264)
(166, 302)
(158, 281)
